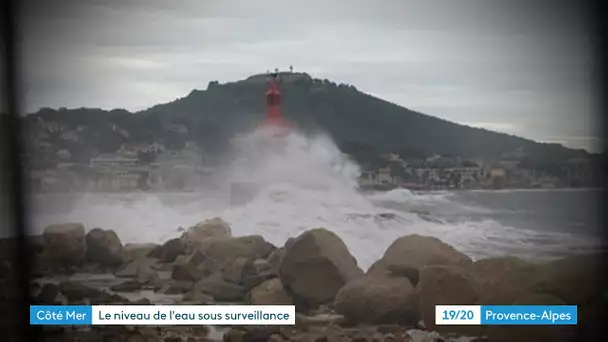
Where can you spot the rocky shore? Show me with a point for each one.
(335, 299)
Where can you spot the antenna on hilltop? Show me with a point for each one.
(291, 68)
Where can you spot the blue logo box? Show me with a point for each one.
(529, 315)
(61, 315)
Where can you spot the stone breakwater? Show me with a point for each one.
(335, 299)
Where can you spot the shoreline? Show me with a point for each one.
(363, 191)
(206, 264)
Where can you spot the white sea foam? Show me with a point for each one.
(304, 182)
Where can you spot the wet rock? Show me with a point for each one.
(108, 298)
(415, 252)
(445, 285)
(316, 265)
(422, 336)
(169, 251)
(396, 270)
(260, 333)
(327, 334)
(501, 280)
(64, 244)
(270, 292)
(75, 291)
(379, 300)
(233, 335)
(194, 267)
(238, 270)
(576, 279)
(226, 250)
(220, 289)
(303, 321)
(203, 231)
(140, 269)
(393, 329)
(93, 268)
(127, 286)
(254, 280)
(103, 247)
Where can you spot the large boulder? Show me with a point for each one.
(444, 285)
(64, 244)
(220, 289)
(203, 231)
(239, 270)
(225, 250)
(270, 292)
(104, 247)
(577, 280)
(315, 266)
(375, 299)
(408, 254)
(502, 280)
(75, 291)
(139, 269)
(194, 267)
(235, 256)
(169, 251)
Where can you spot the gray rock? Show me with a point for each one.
(104, 247)
(270, 292)
(375, 299)
(64, 244)
(220, 289)
(316, 265)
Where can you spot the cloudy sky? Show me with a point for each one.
(505, 65)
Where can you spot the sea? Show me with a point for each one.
(304, 182)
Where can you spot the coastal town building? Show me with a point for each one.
(113, 160)
(179, 170)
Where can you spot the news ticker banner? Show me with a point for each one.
(506, 315)
(283, 315)
(163, 315)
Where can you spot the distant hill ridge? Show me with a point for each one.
(356, 121)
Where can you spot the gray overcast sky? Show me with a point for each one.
(506, 65)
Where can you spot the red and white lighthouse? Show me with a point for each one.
(274, 116)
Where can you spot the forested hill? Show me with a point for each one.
(356, 120)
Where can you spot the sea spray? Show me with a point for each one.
(306, 161)
(304, 182)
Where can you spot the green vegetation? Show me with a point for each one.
(362, 125)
